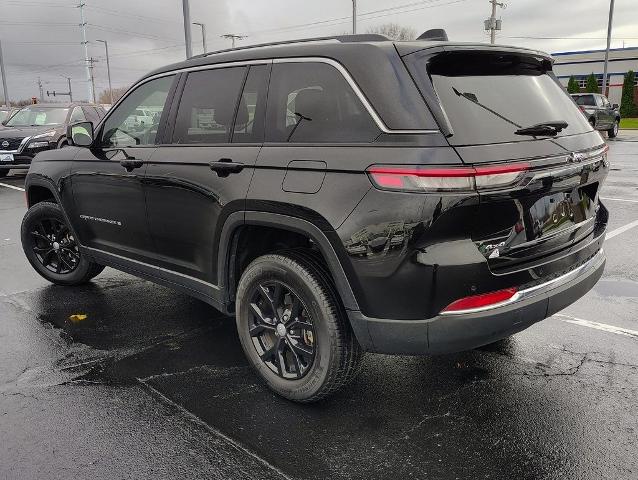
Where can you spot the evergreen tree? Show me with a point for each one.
(572, 85)
(592, 84)
(628, 106)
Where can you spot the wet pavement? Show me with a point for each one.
(153, 384)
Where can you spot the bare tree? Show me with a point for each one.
(394, 31)
(105, 98)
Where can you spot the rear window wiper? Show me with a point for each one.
(545, 129)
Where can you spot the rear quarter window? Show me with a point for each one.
(313, 103)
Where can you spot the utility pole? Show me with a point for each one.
(68, 79)
(89, 65)
(233, 37)
(493, 24)
(40, 89)
(203, 35)
(4, 78)
(354, 17)
(187, 28)
(108, 68)
(609, 24)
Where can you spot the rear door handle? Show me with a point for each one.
(225, 166)
(131, 164)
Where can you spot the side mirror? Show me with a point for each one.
(80, 134)
(615, 106)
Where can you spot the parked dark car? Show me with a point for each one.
(601, 114)
(337, 196)
(35, 128)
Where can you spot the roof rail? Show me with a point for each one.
(367, 37)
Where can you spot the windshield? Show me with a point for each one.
(585, 100)
(36, 116)
(488, 96)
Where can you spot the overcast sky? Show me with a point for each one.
(42, 37)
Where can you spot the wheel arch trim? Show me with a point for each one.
(283, 222)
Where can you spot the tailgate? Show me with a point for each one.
(551, 207)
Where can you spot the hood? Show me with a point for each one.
(21, 132)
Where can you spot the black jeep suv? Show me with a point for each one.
(35, 128)
(337, 196)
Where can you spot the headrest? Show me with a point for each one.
(312, 103)
(224, 113)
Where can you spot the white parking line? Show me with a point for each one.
(598, 326)
(622, 229)
(12, 187)
(619, 199)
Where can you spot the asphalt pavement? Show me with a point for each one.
(153, 384)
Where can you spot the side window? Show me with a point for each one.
(77, 115)
(249, 124)
(312, 102)
(599, 100)
(606, 103)
(135, 121)
(207, 107)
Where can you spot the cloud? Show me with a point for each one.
(41, 38)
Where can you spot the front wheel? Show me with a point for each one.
(51, 247)
(613, 131)
(293, 328)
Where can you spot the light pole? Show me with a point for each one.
(108, 68)
(611, 18)
(4, 78)
(187, 28)
(354, 17)
(203, 35)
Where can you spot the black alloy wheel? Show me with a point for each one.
(52, 248)
(281, 330)
(293, 328)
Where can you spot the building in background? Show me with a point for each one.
(581, 64)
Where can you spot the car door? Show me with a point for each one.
(609, 111)
(602, 119)
(202, 172)
(109, 202)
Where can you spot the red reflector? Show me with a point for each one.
(478, 301)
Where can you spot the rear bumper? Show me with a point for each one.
(449, 333)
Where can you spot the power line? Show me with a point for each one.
(135, 34)
(384, 12)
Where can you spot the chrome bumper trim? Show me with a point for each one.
(537, 290)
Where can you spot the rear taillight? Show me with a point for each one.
(482, 301)
(426, 179)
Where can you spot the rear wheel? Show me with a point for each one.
(592, 122)
(51, 248)
(293, 328)
(613, 131)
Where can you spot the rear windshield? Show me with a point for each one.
(487, 96)
(585, 100)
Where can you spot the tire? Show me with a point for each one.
(336, 354)
(592, 122)
(613, 131)
(4, 173)
(46, 237)
(63, 143)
